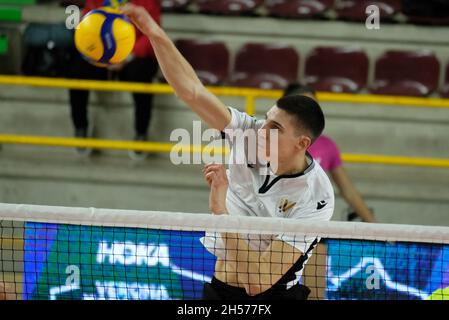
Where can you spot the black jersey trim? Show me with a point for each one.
(290, 275)
(267, 184)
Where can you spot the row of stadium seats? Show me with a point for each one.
(270, 66)
(350, 10)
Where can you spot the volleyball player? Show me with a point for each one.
(296, 187)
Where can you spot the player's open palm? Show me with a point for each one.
(140, 17)
(215, 175)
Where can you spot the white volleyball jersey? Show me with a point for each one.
(305, 195)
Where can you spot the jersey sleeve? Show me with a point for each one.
(239, 121)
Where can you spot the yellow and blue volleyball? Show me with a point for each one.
(105, 36)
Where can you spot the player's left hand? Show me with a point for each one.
(215, 175)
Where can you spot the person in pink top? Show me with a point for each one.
(326, 152)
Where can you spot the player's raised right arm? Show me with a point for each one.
(178, 72)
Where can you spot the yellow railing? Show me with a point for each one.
(160, 147)
(158, 88)
(171, 147)
(396, 160)
(249, 94)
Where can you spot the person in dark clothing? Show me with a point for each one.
(140, 66)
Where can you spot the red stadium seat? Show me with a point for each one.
(409, 73)
(337, 69)
(228, 7)
(298, 8)
(265, 66)
(355, 10)
(445, 90)
(174, 5)
(209, 59)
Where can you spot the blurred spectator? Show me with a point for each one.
(326, 152)
(140, 66)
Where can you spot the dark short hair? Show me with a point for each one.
(297, 88)
(307, 113)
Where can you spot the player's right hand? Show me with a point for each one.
(140, 17)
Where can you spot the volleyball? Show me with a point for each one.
(105, 36)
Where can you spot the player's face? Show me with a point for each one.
(280, 126)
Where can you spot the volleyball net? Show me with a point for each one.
(55, 253)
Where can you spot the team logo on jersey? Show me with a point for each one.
(285, 207)
(320, 205)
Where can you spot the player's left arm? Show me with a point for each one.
(257, 271)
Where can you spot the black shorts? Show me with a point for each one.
(218, 290)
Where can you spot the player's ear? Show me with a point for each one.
(304, 142)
